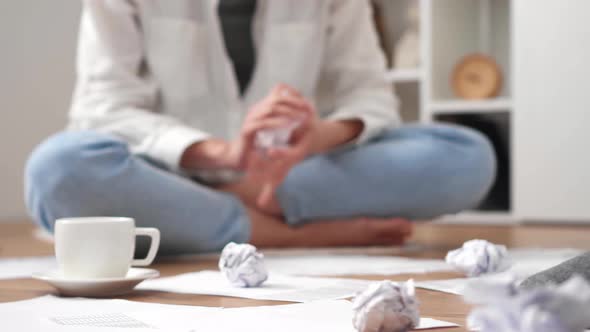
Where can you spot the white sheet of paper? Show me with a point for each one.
(53, 314)
(278, 287)
(12, 268)
(25, 320)
(431, 323)
(320, 316)
(533, 260)
(313, 263)
(526, 262)
(451, 286)
(335, 265)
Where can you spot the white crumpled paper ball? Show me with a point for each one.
(504, 307)
(243, 265)
(477, 257)
(275, 137)
(386, 306)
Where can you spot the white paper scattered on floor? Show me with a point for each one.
(51, 305)
(526, 262)
(431, 323)
(12, 268)
(278, 287)
(451, 286)
(53, 314)
(299, 262)
(336, 265)
(317, 316)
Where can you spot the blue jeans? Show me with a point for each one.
(415, 172)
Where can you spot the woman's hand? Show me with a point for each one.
(280, 108)
(210, 154)
(270, 166)
(266, 169)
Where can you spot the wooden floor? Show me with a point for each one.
(431, 240)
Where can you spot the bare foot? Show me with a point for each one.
(248, 191)
(268, 231)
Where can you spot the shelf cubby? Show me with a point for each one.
(463, 27)
(484, 106)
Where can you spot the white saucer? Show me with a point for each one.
(96, 287)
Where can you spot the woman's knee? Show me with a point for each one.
(472, 161)
(58, 166)
(444, 168)
(480, 158)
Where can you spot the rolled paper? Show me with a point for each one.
(505, 307)
(242, 265)
(478, 257)
(386, 306)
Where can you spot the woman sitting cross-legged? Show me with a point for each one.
(172, 99)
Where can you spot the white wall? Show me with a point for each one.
(37, 50)
(552, 122)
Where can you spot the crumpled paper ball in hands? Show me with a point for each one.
(386, 306)
(563, 308)
(477, 257)
(242, 265)
(275, 137)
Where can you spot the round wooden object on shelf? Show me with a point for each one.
(477, 76)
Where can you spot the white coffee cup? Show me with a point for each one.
(100, 247)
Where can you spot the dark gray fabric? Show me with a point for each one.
(236, 22)
(556, 275)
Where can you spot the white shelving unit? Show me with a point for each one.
(449, 30)
(501, 105)
(540, 119)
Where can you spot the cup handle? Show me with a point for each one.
(154, 234)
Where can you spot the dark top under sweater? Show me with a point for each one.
(236, 18)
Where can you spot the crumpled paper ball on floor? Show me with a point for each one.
(386, 306)
(478, 257)
(243, 265)
(563, 308)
